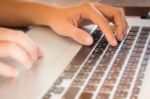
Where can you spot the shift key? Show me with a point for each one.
(71, 93)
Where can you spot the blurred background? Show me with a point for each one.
(132, 8)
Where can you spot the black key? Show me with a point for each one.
(129, 37)
(97, 34)
(134, 29)
(56, 90)
(47, 96)
(103, 95)
(90, 88)
(58, 81)
(71, 93)
(78, 82)
(67, 75)
(86, 95)
(146, 29)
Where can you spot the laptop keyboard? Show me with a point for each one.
(105, 72)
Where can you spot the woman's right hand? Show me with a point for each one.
(19, 47)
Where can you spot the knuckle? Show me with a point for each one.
(126, 25)
(88, 5)
(118, 12)
(19, 34)
(105, 21)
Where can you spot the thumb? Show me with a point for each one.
(80, 35)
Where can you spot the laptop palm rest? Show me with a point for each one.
(32, 84)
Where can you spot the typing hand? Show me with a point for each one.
(19, 47)
(65, 22)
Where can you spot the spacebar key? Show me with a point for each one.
(71, 93)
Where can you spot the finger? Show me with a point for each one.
(8, 71)
(38, 51)
(117, 16)
(121, 25)
(101, 21)
(41, 54)
(13, 51)
(22, 40)
(79, 35)
(120, 29)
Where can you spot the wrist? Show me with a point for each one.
(43, 14)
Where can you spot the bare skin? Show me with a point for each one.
(63, 20)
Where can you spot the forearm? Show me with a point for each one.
(23, 13)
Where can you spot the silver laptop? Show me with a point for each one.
(72, 71)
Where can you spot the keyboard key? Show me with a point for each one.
(136, 90)
(58, 81)
(97, 34)
(124, 86)
(82, 75)
(47, 96)
(106, 88)
(134, 29)
(143, 37)
(134, 97)
(86, 95)
(146, 29)
(78, 82)
(71, 93)
(101, 68)
(98, 74)
(72, 68)
(56, 90)
(90, 88)
(129, 37)
(67, 75)
(102, 95)
(94, 80)
(85, 70)
(129, 42)
(138, 83)
(132, 34)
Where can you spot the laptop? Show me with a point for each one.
(72, 71)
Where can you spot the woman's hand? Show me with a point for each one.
(65, 22)
(18, 46)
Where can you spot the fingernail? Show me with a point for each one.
(88, 40)
(41, 55)
(115, 42)
(121, 38)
